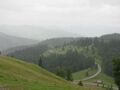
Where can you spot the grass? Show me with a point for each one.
(87, 51)
(107, 80)
(84, 73)
(103, 77)
(14, 72)
(95, 87)
(79, 75)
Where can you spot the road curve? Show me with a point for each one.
(90, 77)
(96, 74)
(93, 76)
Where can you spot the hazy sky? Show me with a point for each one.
(87, 17)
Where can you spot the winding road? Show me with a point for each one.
(93, 76)
(90, 77)
(96, 74)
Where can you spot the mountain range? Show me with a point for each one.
(103, 48)
(8, 41)
(36, 32)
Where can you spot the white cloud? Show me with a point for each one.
(60, 12)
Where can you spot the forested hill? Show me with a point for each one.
(102, 48)
(110, 37)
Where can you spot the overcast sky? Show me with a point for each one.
(86, 17)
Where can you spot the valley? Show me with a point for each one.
(72, 59)
(59, 44)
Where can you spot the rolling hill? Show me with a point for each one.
(102, 48)
(36, 50)
(16, 73)
(7, 41)
(109, 37)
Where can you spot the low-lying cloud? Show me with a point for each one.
(63, 13)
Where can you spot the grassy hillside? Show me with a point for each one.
(18, 73)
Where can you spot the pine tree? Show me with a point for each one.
(60, 71)
(40, 63)
(116, 71)
(68, 75)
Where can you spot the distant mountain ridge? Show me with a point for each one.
(109, 37)
(37, 32)
(7, 41)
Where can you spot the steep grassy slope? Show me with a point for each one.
(18, 73)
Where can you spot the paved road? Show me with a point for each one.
(90, 77)
(93, 76)
(96, 74)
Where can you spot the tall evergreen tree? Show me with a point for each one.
(69, 75)
(40, 63)
(64, 73)
(60, 71)
(116, 71)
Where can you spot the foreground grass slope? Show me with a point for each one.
(18, 73)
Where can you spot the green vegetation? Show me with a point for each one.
(102, 77)
(79, 75)
(95, 88)
(72, 60)
(64, 73)
(84, 73)
(18, 73)
(101, 50)
(40, 63)
(75, 55)
(116, 71)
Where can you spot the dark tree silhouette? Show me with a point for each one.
(40, 63)
(64, 73)
(80, 83)
(116, 71)
(69, 75)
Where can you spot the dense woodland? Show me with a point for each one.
(103, 48)
(72, 60)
